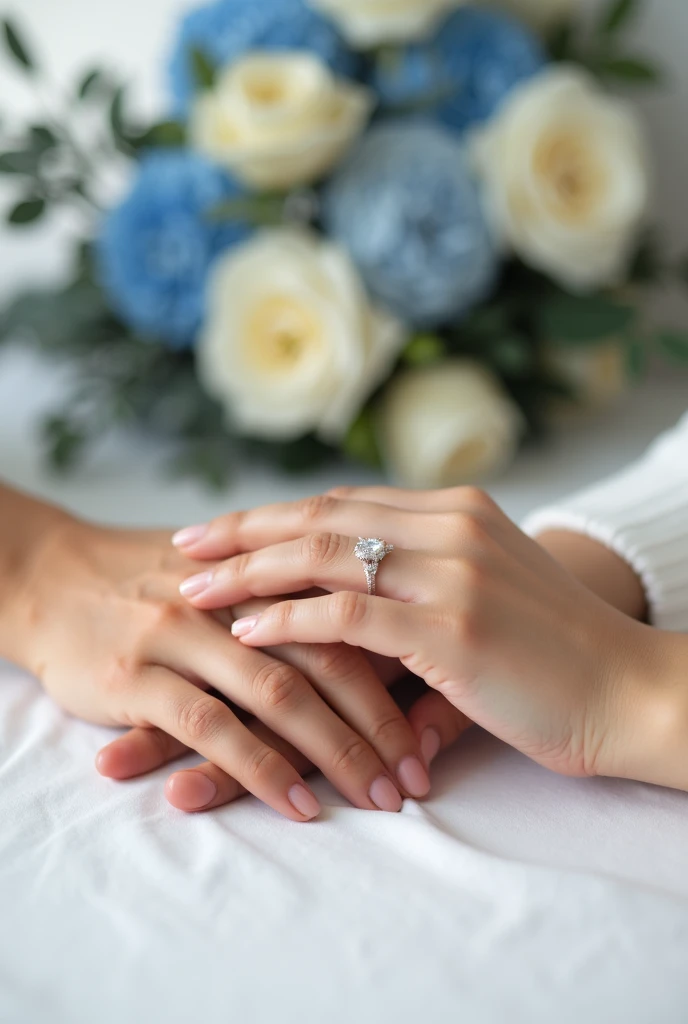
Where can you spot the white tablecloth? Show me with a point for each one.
(510, 894)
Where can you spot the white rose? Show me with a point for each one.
(597, 374)
(541, 14)
(279, 120)
(447, 424)
(291, 342)
(369, 23)
(565, 176)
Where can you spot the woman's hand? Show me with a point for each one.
(98, 617)
(469, 603)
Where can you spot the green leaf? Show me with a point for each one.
(65, 441)
(166, 133)
(206, 459)
(19, 162)
(674, 345)
(16, 45)
(617, 15)
(581, 320)
(27, 211)
(647, 267)
(203, 70)
(512, 355)
(43, 138)
(92, 82)
(631, 70)
(116, 117)
(361, 443)
(561, 42)
(260, 210)
(423, 350)
(636, 357)
(682, 269)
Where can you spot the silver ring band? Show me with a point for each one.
(371, 551)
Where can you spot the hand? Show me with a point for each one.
(102, 624)
(473, 606)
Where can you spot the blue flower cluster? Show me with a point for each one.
(226, 29)
(156, 247)
(464, 72)
(404, 205)
(407, 209)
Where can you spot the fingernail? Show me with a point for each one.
(242, 627)
(430, 744)
(413, 777)
(195, 585)
(304, 801)
(385, 794)
(190, 535)
(192, 791)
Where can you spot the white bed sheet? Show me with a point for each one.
(510, 895)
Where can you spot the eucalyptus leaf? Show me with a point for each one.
(208, 460)
(361, 443)
(204, 71)
(43, 138)
(27, 211)
(65, 441)
(166, 133)
(22, 161)
(581, 320)
(631, 70)
(617, 15)
(674, 344)
(16, 45)
(116, 117)
(91, 83)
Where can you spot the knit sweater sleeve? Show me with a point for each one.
(642, 515)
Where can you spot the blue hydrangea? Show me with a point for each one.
(407, 209)
(157, 246)
(225, 29)
(465, 71)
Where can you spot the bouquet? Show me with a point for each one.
(404, 232)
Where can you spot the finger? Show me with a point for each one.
(204, 724)
(449, 499)
(324, 560)
(206, 786)
(437, 724)
(138, 752)
(347, 681)
(283, 699)
(377, 624)
(246, 531)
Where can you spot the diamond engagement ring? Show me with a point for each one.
(371, 551)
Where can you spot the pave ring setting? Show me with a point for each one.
(371, 551)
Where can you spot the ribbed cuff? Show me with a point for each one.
(641, 515)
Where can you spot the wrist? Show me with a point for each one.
(32, 527)
(651, 713)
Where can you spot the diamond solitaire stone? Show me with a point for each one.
(371, 549)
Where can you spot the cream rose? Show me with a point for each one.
(565, 176)
(291, 342)
(368, 23)
(598, 374)
(541, 14)
(279, 120)
(447, 424)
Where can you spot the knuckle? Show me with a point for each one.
(200, 717)
(262, 765)
(471, 577)
(169, 615)
(332, 661)
(121, 675)
(316, 508)
(239, 567)
(465, 528)
(323, 549)
(467, 629)
(351, 755)
(350, 608)
(387, 729)
(276, 687)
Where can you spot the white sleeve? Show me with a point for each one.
(642, 515)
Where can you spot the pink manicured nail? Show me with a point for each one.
(242, 627)
(191, 791)
(413, 777)
(430, 744)
(190, 535)
(304, 801)
(385, 795)
(196, 585)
